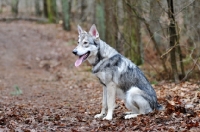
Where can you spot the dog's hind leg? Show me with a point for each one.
(104, 104)
(130, 114)
(136, 103)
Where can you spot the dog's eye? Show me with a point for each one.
(85, 43)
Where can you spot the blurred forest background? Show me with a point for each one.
(163, 34)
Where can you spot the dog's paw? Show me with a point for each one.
(107, 118)
(130, 116)
(99, 116)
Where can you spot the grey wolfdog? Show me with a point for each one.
(118, 75)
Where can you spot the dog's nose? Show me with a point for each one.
(74, 52)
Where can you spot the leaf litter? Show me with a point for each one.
(59, 97)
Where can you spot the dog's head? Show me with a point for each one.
(88, 44)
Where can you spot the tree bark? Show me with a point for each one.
(100, 19)
(49, 11)
(37, 8)
(15, 7)
(66, 8)
(154, 24)
(195, 24)
(52, 10)
(173, 40)
(111, 29)
(180, 53)
(83, 16)
(45, 10)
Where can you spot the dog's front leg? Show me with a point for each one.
(111, 93)
(104, 104)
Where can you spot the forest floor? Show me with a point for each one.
(41, 90)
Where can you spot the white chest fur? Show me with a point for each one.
(104, 77)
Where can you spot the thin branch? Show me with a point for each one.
(158, 1)
(149, 62)
(186, 76)
(184, 8)
(168, 51)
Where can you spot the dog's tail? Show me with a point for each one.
(159, 107)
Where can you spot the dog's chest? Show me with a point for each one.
(104, 77)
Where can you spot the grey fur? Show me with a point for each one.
(118, 75)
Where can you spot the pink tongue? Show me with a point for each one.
(79, 61)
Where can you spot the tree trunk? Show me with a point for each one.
(132, 33)
(180, 53)
(196, 16)
(49, 11)
(15, 7)
(111, 23)
(37, 8)
(66, 8)
(154, 24)
(100, 19)
(196, 24)
(115, 27)
(52, 10)
(45, 10)
(83, 16)
(173, 40)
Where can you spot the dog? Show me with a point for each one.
(118, 75)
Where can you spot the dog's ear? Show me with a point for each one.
(93, 31)
(79, 29)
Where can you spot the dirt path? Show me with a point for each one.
(40, 90)
(37, 59)
(30, 54)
